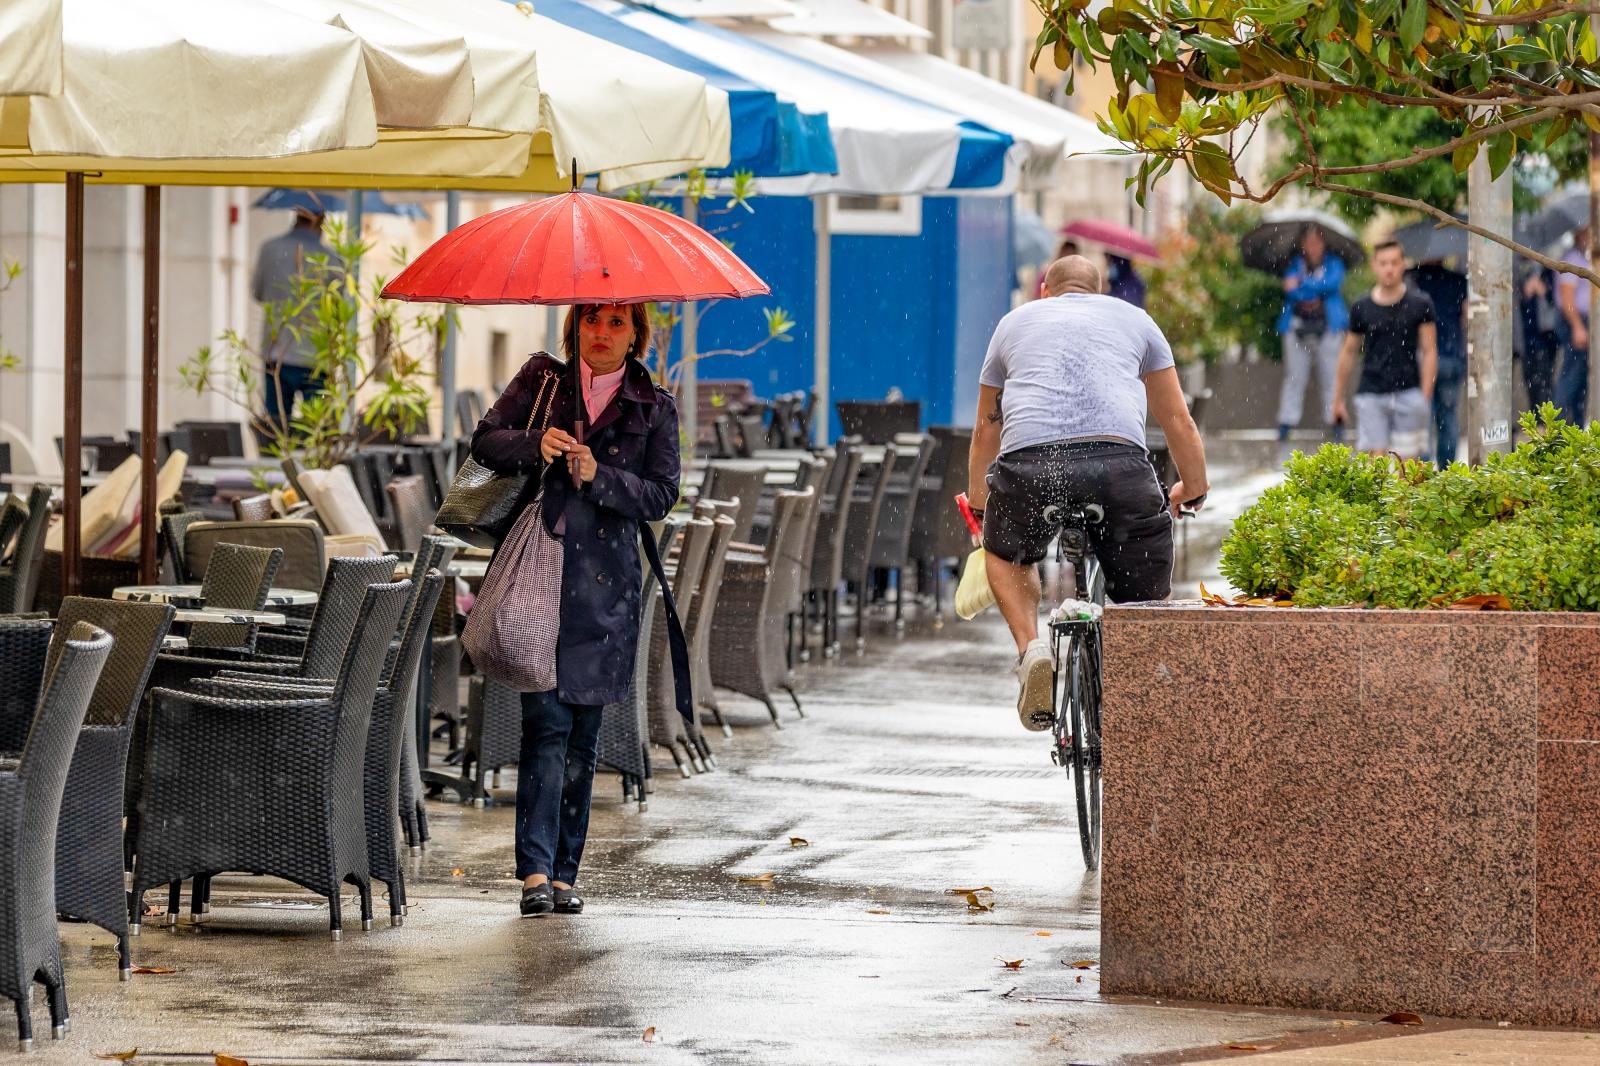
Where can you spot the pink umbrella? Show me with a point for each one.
(1118, 239)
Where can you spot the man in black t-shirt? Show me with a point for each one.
(1393, 331)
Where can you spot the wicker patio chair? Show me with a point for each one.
(13, 516)
(238, 577)
(704, 609)
(30, 807)
(493, 721)
(938, 535)
(667, 727)
(174, 528)
(19, 580)
(253, 508)
(732, 483)
(412, 509)
(861, 531)
(625, 724)
(827, 560)
(749, 629)
(818, 477)
(891, 541)
(89, 850)
(878, 421)
(304, 549)
(434, 553)
(300, 814)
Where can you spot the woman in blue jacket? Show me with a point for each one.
(1312, 325)
(600, 484)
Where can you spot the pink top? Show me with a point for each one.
(599, 390)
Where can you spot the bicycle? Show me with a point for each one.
(1075, 692)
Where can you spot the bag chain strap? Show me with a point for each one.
(546, 396)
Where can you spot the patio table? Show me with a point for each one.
(193, 596)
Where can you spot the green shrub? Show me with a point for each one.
(1350, 529)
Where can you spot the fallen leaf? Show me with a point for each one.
(119, 1056)
(876, 910)
(1345, 1023)
(799, 842)
(1402, 1017)
(650, 1035)
(1023, 1025)
(1249, 1047)
(966, 891)
(1014, 964)
(974, 904)
(1055, 1038)
(228, 1060)
(458, 872)
(758, 879)
(1078, 979)
(152, 970)
(1043, 933)
(1488, 601)
(1083, 964)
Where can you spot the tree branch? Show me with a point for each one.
(1527, 17)
(1447, 148)
(1448, 219)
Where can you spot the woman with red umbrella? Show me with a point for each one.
(597, 440)
(596, 486)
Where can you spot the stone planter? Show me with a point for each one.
(1354, 810)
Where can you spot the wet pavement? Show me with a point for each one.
(908, 777)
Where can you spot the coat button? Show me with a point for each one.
(612, 450)
(600, 579)
(601, 532)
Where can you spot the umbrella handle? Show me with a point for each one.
(578, 434)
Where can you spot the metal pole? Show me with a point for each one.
(689, 347)
(150, 383)
(552, 334)
(819, 371)
(1594, 264)
(72, 393)
(447, 353)
(1488, 315)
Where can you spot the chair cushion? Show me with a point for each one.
(333, 493)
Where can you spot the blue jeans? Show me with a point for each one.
(555, 776)
(1572, 386)
(291, 379)
(1446, 412)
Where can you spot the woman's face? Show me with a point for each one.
(605, 336)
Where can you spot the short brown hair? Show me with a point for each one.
(641, 329)
(1386, 245)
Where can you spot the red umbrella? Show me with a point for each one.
(1119, 240)
(575, 248)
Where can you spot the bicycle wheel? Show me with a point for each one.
(1083, 705)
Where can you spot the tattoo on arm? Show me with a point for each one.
(994, 416)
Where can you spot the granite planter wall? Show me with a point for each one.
(1354, 810)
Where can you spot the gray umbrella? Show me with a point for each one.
(1033, 242)
(1428, 240)
(1564, 212)
(1273, 245)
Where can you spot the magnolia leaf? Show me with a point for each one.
(153, 970)
(1402, 1017)
(1483, 602)
(1249, 1047)
(1043, 933)
(1169, 89)
(1084, 964)
(799, 842)
(1413, 23)
(1214, 169)
(876, 910)
(1501, 149)
(458, 872)
(966, 891)
(758, 879)
(1463, 156)
(976, 905)
(119, 1056)
(1215, 49)
(650, 1035)
(1013, 964)
(228, 1060)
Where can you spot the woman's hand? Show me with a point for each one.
(556, 442)
(581, 461)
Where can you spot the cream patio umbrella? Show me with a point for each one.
(30, 47)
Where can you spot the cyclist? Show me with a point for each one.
(1076, 372)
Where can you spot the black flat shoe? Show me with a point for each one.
(568, 903)
(537, 900)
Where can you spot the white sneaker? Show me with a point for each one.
(1036, 678)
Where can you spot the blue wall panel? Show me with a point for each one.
(913, 313)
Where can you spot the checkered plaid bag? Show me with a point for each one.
(511, 632)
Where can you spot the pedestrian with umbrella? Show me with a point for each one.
(586, 449)
(288, 351)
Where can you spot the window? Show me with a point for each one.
(890, 216)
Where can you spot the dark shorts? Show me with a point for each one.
(1032, 489)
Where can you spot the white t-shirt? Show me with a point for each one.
(1072, 366)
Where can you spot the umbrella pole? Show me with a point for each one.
(447, 353)
(820, 222)
(150, 382)
(689, 346)
(72, 392)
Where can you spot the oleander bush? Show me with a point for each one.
(1345, 529)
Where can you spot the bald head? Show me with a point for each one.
(1071, 273)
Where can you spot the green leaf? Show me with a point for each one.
(1463, 156)
(1502, 147)
(1413, 23)
(1521, 53)
(1219, 50)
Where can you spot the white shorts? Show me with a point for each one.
(1393, 422)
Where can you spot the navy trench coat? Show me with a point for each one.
(635, 444)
